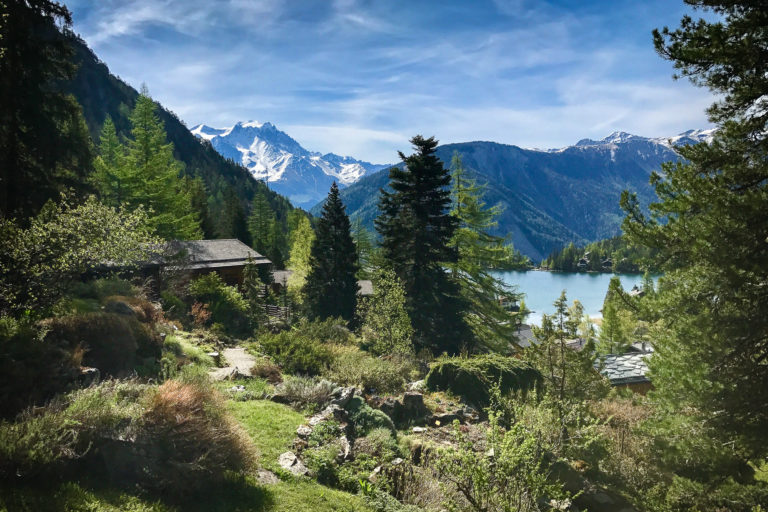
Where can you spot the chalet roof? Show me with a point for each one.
(198, 254)
(629, 368)
(365, 287)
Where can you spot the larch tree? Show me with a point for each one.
(710, 228)
(144, 172)
(301, 237)
(479, 252)
(331, 286)
(416, 229)
(261, 225)
(386, 326)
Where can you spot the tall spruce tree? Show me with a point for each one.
(331, 286)
(416, 229)
(710, 227)
(44, 143)
(479, 251)
(233, 222)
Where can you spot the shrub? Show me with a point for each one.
(366, 419)
(353, 367)
(31, 370)
(265, 369)
(173, 306)
(227, 305)
(113, 343)
(296, 353)
(104, 287)
(191, 436)
(330, 330)
(473, 377)
(305, 391)
(187, 352)
(144, 310)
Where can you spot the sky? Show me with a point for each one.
(360, 78)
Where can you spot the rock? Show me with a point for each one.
(304, 431)
(265, 477)
(342, 396)
(392, 408)
(413, 400)
(289, 461)
(374, 474)
(418, 430)
(346, 448)
(333, 411)
(237, 389)
(418, 385)
(397, 461)
(299, 445)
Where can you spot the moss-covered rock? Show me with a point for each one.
(473, 377)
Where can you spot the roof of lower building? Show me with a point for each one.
(196, 254)
(281, 277)
(627, 368)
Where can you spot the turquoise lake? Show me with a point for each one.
(541, 289)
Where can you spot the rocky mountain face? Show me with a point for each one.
(274, 157)
(550, 197)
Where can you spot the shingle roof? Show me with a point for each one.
(215, 253)
(365, 287)
(627, 368)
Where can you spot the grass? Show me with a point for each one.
(271, 426)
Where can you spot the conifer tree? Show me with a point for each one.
(478, 252)
(261, 225)
(233, 222)
(416, 229)
(145, 173)
(709, 226)
(364, 248)
(331, 286)
(44, 143)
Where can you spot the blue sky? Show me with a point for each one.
(360, 78)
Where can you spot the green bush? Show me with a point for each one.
(227, 305)
(31, 370)
(296, 353)
(353, 367)
(330, 330)
(104, 287)
(472, 378)
(367, 419)
(113, 343)
(173, 306)
(186, 352)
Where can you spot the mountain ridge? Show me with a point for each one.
(549, 197)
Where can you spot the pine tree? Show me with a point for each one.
(331, 286)
(111, 176)
(199, 198)
(478, 251)
(363, 247)
(416, 229)
(233, 222)
(44, 143)
(709, 226)
(261, 225)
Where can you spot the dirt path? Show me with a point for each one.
(237, 359)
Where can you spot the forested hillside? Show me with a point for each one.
(610, 255)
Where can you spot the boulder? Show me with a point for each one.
(304, 431)
(346, 448)
(290, 462)
(443, 419)
(333, 411)
(342, 396)
(418, 385)
(418, 430)
(265, 477)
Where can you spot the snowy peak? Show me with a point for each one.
(618, 137)
(274, 156)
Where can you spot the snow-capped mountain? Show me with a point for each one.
(681, 139)
(272, 155)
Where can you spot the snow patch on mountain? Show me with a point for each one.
(273, 156)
